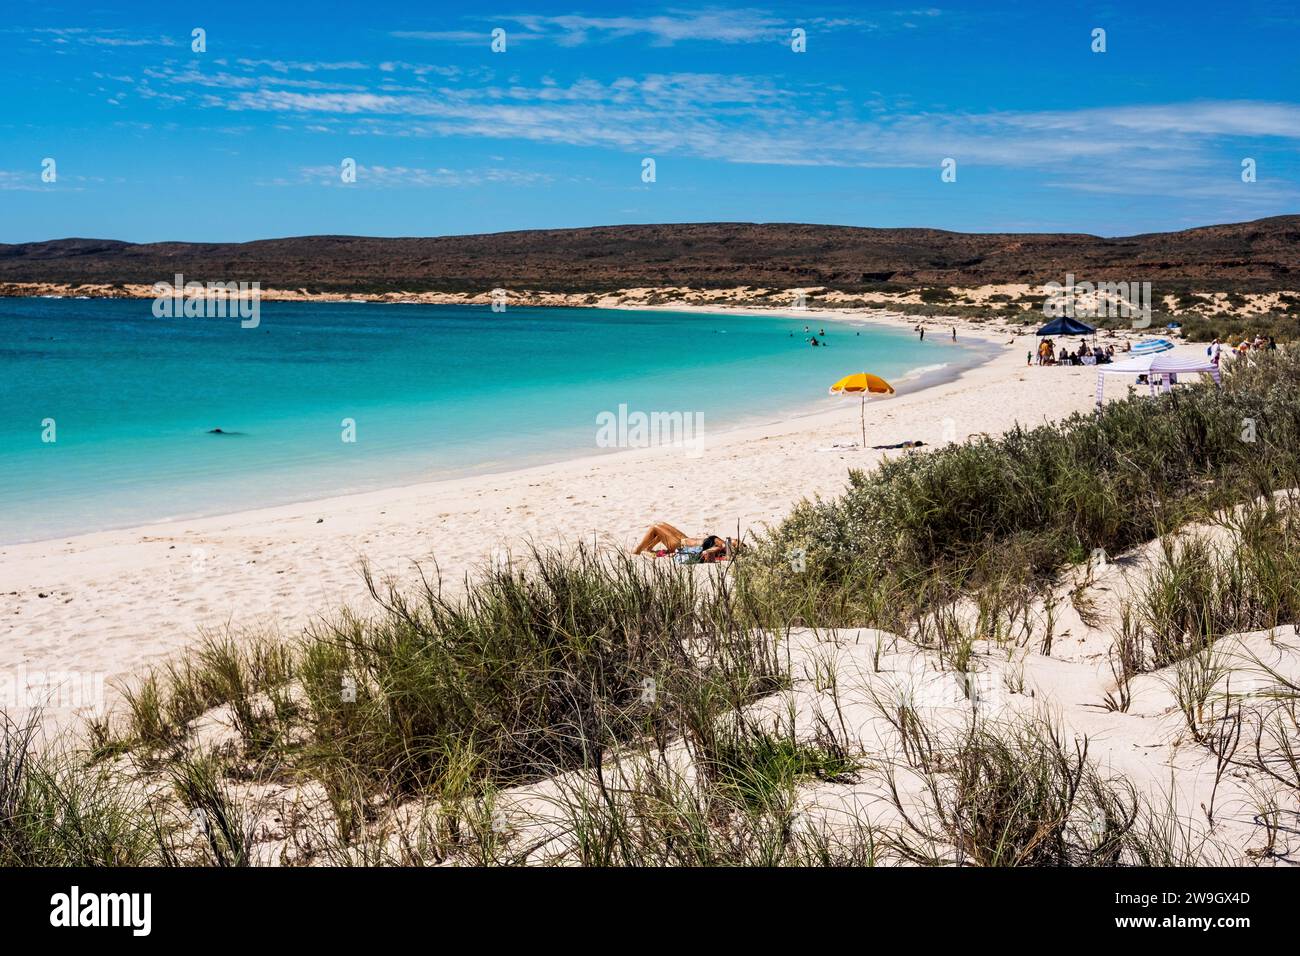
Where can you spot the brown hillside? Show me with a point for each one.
(1262, 253)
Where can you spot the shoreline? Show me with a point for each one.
(111, 603)
(1000, 300)
(918, 379)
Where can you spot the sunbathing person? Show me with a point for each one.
(664, 537)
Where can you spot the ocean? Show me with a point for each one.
(107, 413)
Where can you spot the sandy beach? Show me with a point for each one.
(679, 437)
(109, 603)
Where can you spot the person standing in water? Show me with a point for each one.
(922, 330)
(954, 333)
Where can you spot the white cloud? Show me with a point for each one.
(710, 24)
(1144, 149)
(719, 26)
(18, 181)
(11, 180)
(100, 38)
(406, 176)
(289, 66)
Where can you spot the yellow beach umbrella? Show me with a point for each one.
(864, 384)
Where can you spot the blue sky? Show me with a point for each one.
(153, 141)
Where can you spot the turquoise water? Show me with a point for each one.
(434, 391)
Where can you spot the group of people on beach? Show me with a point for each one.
(1218, 348)
(1049, 354)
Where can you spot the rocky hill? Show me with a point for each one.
(1259, 254)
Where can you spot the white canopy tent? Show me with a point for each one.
(1159, 368)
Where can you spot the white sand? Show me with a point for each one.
(1149, 745)
(106, 604)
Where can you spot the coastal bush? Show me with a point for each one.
(935, 295)
(528, 673)
(1283, 326)
(1035, 499)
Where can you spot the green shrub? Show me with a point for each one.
(1034, 499)
(528, 673)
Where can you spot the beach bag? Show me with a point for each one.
(688, 555)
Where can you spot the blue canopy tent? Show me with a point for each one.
(1066, 326)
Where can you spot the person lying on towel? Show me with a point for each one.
(664, 539)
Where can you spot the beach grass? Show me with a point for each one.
(1010, 512)
(57, 811)
(527, 674)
